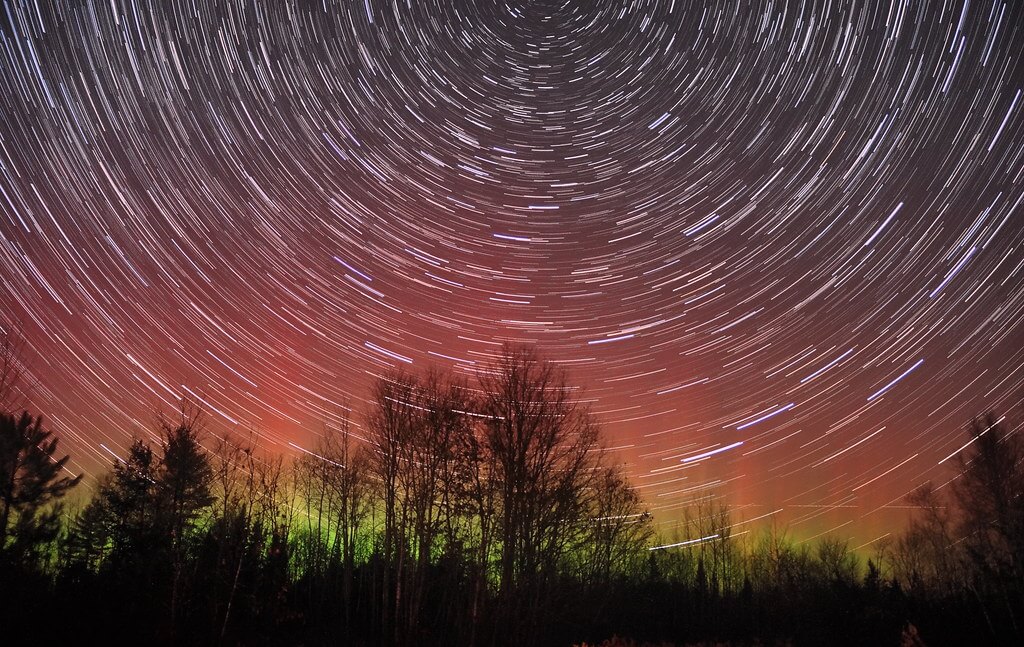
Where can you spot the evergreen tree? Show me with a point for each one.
(183, 490)
(31, 479)
(184, 479)
(119, 525)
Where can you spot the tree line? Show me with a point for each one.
(470, 513)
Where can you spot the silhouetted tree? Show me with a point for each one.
(965, 551)
(116, 531)
(89, 536)
(32, 482)
(183, 490)
(927, 556)
(990, 496)
(185, 477)
(335, 492)
(478, 496)
(838, 563)
(620, 529)
(235, 544)
(348, 480)
(428, 477)
(418, 428)
(392, 424)
(543, 442)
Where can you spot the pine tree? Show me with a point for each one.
(184, 479)
(125, 510)
(183, 490)
(31, 479)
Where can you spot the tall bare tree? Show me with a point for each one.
(990, 496)
(417, 429)
(334, 489)
(543, 444)
(928, 557)
(620, 528)
(393, 424)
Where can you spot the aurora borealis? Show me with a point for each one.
(778, 244)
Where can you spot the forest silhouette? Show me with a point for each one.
(469, 513)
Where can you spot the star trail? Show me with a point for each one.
(777, 244)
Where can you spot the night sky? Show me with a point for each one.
(779, 245)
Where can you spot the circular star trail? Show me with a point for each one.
(778, 245)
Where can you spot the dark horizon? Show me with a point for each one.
(473, 513)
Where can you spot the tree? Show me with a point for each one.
(417, 430)
(969, 545)
(620, 528)
(31, 479)
(837, 562)
(990, 496)
(332, 483)
(927, 556)
(89, 537)
(392, 426)
(544, 454)
(477, 496)
(712, 522)
(185, 477)
(237, 540)
(346, 476)
(139, 530)
(117, 529)
(990, 493)
(430, 475)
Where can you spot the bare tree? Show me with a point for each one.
(418, 428)
(990, 495)
(710, 523)
(543, 443)
(236, 470)
(350, 485)
(429, 476)
(333, 485)
(477, 497)
(620, 528)
(837, 562)
(774, 560)
(392, 423)
(927, 557)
